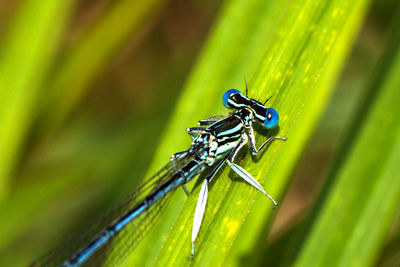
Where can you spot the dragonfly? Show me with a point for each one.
(215, 142)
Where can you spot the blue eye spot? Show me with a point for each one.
(271, 119)
(227, 94)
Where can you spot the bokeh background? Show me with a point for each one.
(88, 87)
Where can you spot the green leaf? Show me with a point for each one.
(364, 197)
(293, 51)
(86, 58)
(24, 64)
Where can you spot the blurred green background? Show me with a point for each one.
(90, 92)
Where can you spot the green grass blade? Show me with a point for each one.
(86, 58)
(247, 244)
(296, 65)
(24, 63)
(214, 74)
(350, 226)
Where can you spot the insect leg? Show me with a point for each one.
(185, 190)
(253, 147)
(243, 173)
(194, 131)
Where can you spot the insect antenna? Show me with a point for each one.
(267, 100)
(247, 90)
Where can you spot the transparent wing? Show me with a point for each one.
(211, 120)
(128, 238)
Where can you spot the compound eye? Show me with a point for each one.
(227, 94)
(271, 119)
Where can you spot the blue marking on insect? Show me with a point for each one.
(227, 94)
(271, 119)
(216, 141)
(126, 220)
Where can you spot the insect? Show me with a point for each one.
(216, 141)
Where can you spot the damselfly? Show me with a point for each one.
(216, 141)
